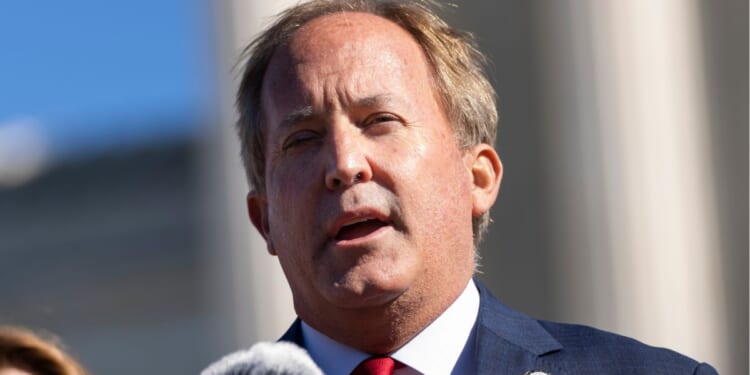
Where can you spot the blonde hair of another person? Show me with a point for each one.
(24, 353)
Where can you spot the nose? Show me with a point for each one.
(348, 163)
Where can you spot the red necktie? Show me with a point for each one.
(377, 366)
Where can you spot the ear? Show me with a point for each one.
(257, 208)
(487, 172)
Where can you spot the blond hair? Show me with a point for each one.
(23, 350)
(457, 65)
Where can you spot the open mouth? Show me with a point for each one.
(359, 229)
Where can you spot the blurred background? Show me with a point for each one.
(623, 130)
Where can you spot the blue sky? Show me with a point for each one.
(93, 74)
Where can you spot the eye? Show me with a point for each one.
(381, 122)
(299, 138)
(382, 117)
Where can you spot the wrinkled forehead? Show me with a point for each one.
(345, 41)
(347, 33)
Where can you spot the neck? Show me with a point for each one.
(385, 328)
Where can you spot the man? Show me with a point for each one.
(367, 131)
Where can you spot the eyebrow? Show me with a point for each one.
(296, 116)
(307, 112)
(375, 100)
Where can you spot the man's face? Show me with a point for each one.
(368, 199)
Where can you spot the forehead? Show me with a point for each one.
(349, 50)
(347, 33)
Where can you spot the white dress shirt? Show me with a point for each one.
(446, 346)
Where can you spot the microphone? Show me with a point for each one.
(266, 358)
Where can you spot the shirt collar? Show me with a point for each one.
(439, 347)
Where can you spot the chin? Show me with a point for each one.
(361, 292)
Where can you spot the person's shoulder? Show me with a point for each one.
(593, 349)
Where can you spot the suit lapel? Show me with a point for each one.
(294, 334)
(509, 342)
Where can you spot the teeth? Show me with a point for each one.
(360, 220)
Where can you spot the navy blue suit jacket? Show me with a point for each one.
(509, 342)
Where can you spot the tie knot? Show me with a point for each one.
(377, 366)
